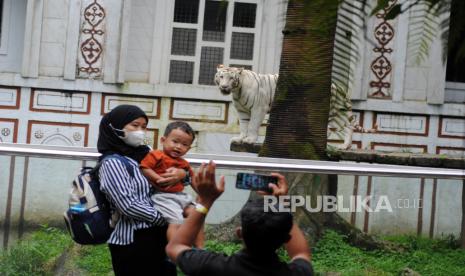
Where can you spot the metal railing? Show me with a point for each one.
(249, 163)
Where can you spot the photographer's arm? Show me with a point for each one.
(297, 246)
(185, 235)
(208, 191)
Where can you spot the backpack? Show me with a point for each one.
(89, 218)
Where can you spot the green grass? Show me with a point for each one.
(333, 253)
(227, 248)
(36, 256)
(426, 256)
(95, 260)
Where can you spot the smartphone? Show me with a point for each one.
(255, 182)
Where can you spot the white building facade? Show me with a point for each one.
(65, 63)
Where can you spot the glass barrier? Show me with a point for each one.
(34, 191)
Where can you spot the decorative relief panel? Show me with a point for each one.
(452, 151)
(200, 111)
(401, 124)
(151, 138)
(91, 39)
(8, 130)
(150, 105)
(9, 97)
(57, 101)
(451, 127)
(59, 134)
(358, 118)
(391, 147)
(381, 66)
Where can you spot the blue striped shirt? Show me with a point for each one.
(130, 196)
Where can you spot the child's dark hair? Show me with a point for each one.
(179, 125)
(264, 232)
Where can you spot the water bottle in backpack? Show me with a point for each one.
(88, 218)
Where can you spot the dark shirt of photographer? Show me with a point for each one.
(262, 232)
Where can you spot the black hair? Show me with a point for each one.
(179, 125)
(264, 232)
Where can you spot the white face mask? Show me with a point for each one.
(134, 138)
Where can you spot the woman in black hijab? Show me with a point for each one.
(110, 132)
(137, 245)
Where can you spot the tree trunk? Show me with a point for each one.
(299, 116)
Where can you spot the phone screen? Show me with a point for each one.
(255, 182)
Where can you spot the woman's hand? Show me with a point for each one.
(281, 188)
(171, 176)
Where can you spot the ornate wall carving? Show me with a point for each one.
(452, 151)
(381, 66)
(199, 111)
(8, 130)
(394, 147)
(451, 127)
(92, 39)
(152, 137)
(59, 134)
(74, 102)
(401, 124)
(9, 97)
(150, 105)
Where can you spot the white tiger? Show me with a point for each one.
(252, 96)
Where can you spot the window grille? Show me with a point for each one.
(214, 21)
(244, 15)
(242, 46)
(183, 41)
(209, 60)
(203, 37)
(181, 71)
(186, 11)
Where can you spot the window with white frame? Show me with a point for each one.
(4, 24)
(206, 33)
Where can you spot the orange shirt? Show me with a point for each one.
(158, 161)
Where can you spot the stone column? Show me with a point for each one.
(32, 36)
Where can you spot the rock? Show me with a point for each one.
(244, 147)
(408, 272)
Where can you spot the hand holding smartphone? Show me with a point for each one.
(255, 182)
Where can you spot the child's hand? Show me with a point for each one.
(163, 182)
(171, 176)
(152, 177)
